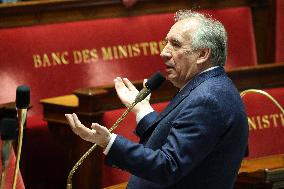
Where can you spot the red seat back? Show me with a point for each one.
(266, 123)
(241, 40)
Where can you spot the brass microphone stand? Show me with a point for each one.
(7, 146)
(3, 177)
(22, 117)
(115, 125)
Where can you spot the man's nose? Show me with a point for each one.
(165, 54)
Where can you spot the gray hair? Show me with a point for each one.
(211, 34)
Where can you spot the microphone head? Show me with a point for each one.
(8, 129)
(22, 97)
(155, 81)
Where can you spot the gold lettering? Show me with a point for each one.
(144, 48)
(86, 55)
(94, 55)
(265, 121)
(154, 48)
(106, 53)
(282, 119)
(115, 53)
(91, 55)
(129, 47)
(64, 59)
(46, 61)
(77, 57)
(274, 118)
(37, 61)
(55, 58)
(251, 123)
(122, 51)
(136, 50)
(259, 122)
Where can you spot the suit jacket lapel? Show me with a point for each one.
(197, 80)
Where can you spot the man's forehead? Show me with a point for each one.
(184, 26)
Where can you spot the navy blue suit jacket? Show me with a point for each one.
(197, 142)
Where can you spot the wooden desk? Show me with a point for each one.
(118, 186)
(88, 175)
(8, 110)
(267, 162)
(253, 173)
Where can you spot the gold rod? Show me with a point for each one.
(22, 119)
(3, 177)
(6, 146)
(258, 91)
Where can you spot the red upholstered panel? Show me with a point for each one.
(279, 31)
(10, 172)
(241, 41)
(26, 51)
(266, 123)
(19, 46)
(111, 175)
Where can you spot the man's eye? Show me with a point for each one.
(175, 44)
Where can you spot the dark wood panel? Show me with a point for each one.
(264, 28)
(55, 11)
(259, 77)
(8, 110)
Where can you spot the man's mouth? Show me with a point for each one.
(168, 67)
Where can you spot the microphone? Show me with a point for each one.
(8, 134)
(22, 104)
(153, 83)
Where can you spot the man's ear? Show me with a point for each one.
(203, 56)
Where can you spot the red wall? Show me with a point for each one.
(26, 51)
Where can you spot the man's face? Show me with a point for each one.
(179, 58)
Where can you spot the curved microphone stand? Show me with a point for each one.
(153, 83)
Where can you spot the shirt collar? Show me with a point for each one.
(208, 69)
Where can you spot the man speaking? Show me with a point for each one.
(199, 140)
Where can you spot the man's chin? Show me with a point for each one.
(170, 79)
(173, 81)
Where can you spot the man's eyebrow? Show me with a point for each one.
(175, 41)
(172, 40)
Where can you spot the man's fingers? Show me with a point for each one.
(70, 120)
(100, 129)
(129, 85)
(76, 119)
(119, 85)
